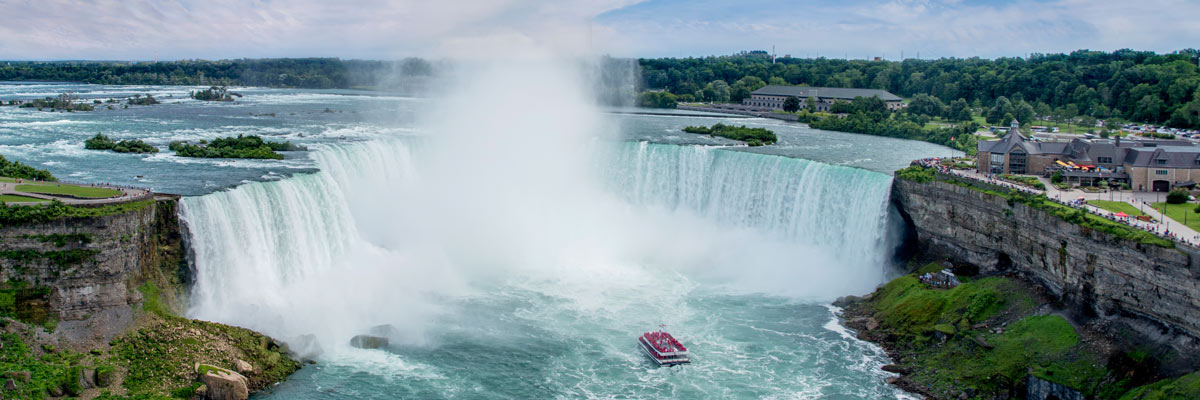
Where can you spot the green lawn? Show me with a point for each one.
(12, 198)
(72, 190)
(1116, 207)
(1177, 212)
(7, 179)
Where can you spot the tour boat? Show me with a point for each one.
(663, 349)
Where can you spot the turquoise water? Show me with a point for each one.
(497, 284)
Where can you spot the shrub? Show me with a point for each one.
(1177, 196)
(762, 136)
(916, 173)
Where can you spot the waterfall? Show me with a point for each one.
(375, 234)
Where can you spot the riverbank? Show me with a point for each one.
(1026, 301)
(89, 308)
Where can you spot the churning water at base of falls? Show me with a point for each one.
(736, 252)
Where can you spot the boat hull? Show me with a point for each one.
(662, 361)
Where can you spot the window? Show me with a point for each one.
(1160, 162)
(1104, 160)
(997, 158)
(1160, 172)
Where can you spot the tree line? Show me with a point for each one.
(310, 73)
(1135, 85)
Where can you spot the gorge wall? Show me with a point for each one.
(1150, 291)
(87, 276)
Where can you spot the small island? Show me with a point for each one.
(65, 102)
(215, 93)
(139, 100)
(253, 147)
(101, 142)
(752, 136)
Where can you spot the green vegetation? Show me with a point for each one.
(66, 102)
(12, 198)
(160, 359)
(56, 210)
(1040, 202)
(917, 173)
(1068, 88)
(656, 100)
(1024, 180)
(1116, 207)
(980, 338)
(752, 136)
(215, 93)
(1184, 387)
(101, 142)
(14, 169)
(870, 116)
(1178, 196)
(138, 100)
(231, 147)
(86, 192)
(1181, 213)
(316, 73)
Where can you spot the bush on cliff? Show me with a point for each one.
(916, 173)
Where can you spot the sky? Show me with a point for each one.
(392, 29)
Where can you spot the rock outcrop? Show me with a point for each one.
(85, 272)
(222, 384)
(1152, 290)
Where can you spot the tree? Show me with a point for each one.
(811, 104)
(792, 104)
(927, 105)
(959, 111)
(1177, 196)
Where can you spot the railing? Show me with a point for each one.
(944, 173)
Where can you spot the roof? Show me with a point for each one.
(1174, 156)
(827, 92)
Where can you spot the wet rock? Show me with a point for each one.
(893, 368)
(1041, 389)
(891, 380)
(872, 324)
(368, 342)
(222, 384)
(243, 367)
(846, 301)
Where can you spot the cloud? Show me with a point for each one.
(138, 29)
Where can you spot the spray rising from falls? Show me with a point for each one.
(328, 254)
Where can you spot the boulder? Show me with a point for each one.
(201, 392)
(872, 324)
(893, 368)
(10, 385)
(368, 341)
(87, 378)
(104, 376)
(222, 384)
(56, 391)
(243, 367)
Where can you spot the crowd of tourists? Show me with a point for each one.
(1156, 228)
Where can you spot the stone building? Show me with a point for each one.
(773, 96)
(1157, 165)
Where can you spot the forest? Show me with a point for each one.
(1138, 86)
(310, 73)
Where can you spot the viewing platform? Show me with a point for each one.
(15, 191)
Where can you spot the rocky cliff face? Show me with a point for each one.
(85, 273)
(1152, 290)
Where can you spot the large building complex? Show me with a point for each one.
(773, 96)
(1157, 165)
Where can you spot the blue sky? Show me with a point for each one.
(384, 29)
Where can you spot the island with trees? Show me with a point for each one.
(252, 147)
(15, 169)
(102, 142)
(215, 93)
(753, 137)
(64, 102)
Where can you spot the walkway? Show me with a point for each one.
(127, 194)
(1165, 227)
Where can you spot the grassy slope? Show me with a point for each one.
(1180, 212)
(77, 191)
(910, 313)
(11, 198)
(1116, 207)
